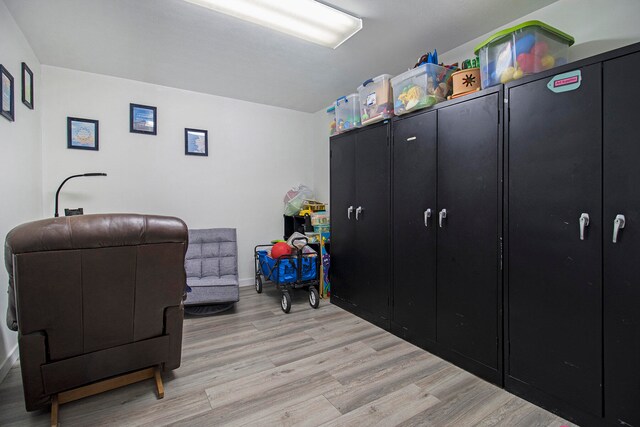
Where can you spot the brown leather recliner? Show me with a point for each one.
(95, 296)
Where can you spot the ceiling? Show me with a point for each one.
(178, 44)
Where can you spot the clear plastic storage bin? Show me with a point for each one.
(420, 87)
(319, 218)
(348, 113)
(376, 99)
(518, 51)
(331, 117)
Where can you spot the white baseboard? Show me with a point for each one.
(8, 363)
(248, 281)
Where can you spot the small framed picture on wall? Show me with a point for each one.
(196, 142)
(6, 96)
(83, 134)
(27, 86)
(143, 119)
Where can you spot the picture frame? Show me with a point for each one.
(83, 134)
(7, 94)
(27, 86)
(196, 142)
(143, 119)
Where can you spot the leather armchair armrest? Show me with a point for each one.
(33, 354)
(173, 317)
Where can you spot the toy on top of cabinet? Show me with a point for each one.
(331, 113)
(376, 99)
(466, 80)
(423, 86)
(428, 58)
(527, 48)
(348, 112)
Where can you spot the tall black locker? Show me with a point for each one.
(373, 188)
(360, 221)
(621, 258)
(414, 227)
(468, 218)
(554, 337)
(344, 259)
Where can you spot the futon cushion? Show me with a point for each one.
(212, 253)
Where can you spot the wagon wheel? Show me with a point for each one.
(314, 297)
(285, 303)
(258, 284)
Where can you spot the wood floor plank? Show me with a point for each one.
(358, 331)
(388, 410)
(263, 382)
(379, 382)
(456, 398)
(310, 413)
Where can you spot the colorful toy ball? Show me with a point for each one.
(280, 249)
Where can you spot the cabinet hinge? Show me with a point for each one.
(501, 253)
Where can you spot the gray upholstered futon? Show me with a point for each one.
(212, 267)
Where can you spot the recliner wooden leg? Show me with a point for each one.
(54, 410)
(159, 385)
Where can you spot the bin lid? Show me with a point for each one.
(351, 97)
(375, 80)
(417, 71)
(560, 34)
(331, 109)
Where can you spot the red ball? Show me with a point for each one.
(540, 49)
(528, 63)
(280, 249)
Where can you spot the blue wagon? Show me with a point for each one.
(289, 272)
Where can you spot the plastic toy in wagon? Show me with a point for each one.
(527, 48)
(348, 112)
(376, 99)
(421, 87)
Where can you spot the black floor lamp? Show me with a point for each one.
(67, 179)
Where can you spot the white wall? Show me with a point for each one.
(597, 26)
(256, 153)
(319, 146)
(20, 160)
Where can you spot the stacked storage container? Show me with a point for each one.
(518, 51)
(348, 113)
(420, 87)
(376, 99)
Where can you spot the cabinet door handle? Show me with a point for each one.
(427, 215)
(349, 211)
(358, 212)
(584, 223)
(618, 224)
(442, 215)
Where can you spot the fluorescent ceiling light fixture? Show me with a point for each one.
(306, 19)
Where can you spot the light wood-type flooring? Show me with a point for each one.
(256, 366)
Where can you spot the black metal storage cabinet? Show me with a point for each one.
(570, 256)
(469, 216)
(360, 222)
(447, 204)
(622, 255)
(573, 177)
(414, 228)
